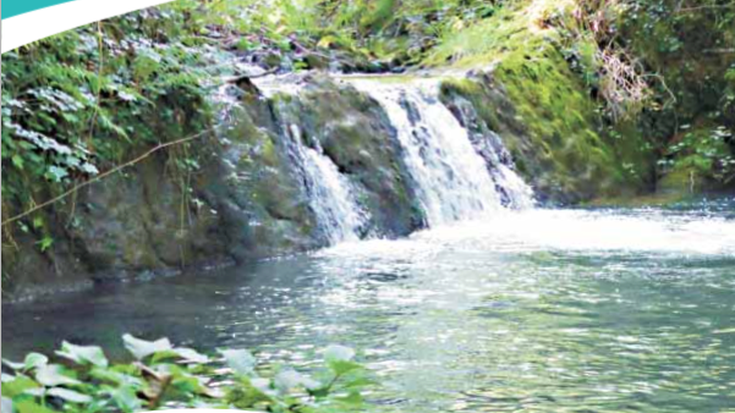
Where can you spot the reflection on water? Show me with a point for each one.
(538, 311)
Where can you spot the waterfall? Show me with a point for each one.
(455, 174)
(453, 180)
(330, 194)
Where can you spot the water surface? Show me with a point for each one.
(535, 311)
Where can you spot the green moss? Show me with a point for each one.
(543, 109)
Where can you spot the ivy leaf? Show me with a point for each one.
(54, 375)
(56, 173)
(89, 169)
(241, 361)
(69, 395)
(83, 354)
(141, 349)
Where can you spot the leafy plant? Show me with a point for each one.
(162, 375)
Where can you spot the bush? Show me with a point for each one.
(81, 379)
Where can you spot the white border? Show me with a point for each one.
(38, 24)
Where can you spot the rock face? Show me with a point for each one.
(248, 198)
(251, 194)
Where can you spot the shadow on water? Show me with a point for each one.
(593, 312)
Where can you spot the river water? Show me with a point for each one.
(523, 311)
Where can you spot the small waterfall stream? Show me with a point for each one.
(453, 179)
(330, 195)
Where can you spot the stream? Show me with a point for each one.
(499, 306)
(524, 311)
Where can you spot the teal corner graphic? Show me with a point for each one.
(12, 8)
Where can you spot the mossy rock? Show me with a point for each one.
(355, 133)
(523, 88)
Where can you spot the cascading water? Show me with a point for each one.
(330, 195)
(452, 178)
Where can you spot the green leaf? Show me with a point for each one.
(291, 379)
(57, 173)
(126, 399)
(141, 349)
(54, 375)
(84, 355)
(37, 222)
(45, 243)
(13, 365)
(35, 360)
(17, 161)
(89, 169)
(352, 400)
(18, 386)
(191, 355)
(241, 362)
(115, 377)
(28, 406)
(69, 395)
(343, 367)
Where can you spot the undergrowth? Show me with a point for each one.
(81, 379)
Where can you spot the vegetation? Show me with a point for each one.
(81, 379)
(78, 103)
(610, 93)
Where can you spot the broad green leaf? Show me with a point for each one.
(17, 386)
(126, 400)
(160, 356)
(241, 362)
(13, 365)
(35, 360)
(191, 355)
(290, 379)
(54, 375)
(89, 168)
(56, 173)
(45, 243)
(83, 354)
(39, 392)
(340, 367)
(339, 353)
(358, 382)
(352, 400)
(17, 161)
(141, 349)
(69, 395)
(185, 354)
(28, 406)
(262, 384)
(115, 377)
